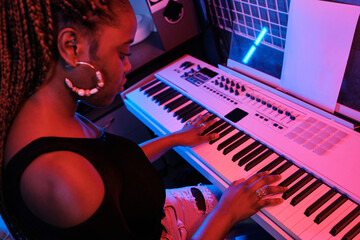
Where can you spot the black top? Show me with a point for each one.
(134, 194)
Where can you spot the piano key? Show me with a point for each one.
(296, 187)
(325, 233)
(282, 168)
(230, 140)
(303, 194)
(149, 84)
(151, 91)
(330, 209)
(245, 151)
(171, 96)
(345, 221)
(288, 210)
(212, 127)
(176, 103)
(160, 93)
(258, 159)
(184, 108)
(316, 229)
(236, 144)
(304, 222)
(291, 215)
(223, 134)
(273, 164)
(163, 94)
(316, 205)
(192, 113)
(220, 128)
(353, 232)
(252, 155)
(292, 178)
(347, 229)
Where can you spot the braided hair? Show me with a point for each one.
(28, 30)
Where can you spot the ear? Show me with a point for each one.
(68, 45)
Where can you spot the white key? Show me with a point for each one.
(325, 233)
(343, 232)
(315, 228)
(305, 222)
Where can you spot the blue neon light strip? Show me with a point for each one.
(253, 47)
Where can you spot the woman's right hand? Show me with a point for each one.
(246, 197)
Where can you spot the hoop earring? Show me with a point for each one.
(86, 92)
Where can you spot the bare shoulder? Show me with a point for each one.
(62, 188)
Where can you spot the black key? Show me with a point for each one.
(273, 164)
(321, 201)
(251, 155)
(292, 178)
(258, 159)
(212, 127)
(149, 84)
(235, 144)
(330, 209)
(282, 168)
(244, 151)
(297, 186)
(306, 192)
(168, 97)
(352, 233)
(176, 103)
(155, 97)
(191, 113)
(155, 89)
(345, 221)
(184, 109)
(230, 140)
(223, 134)
(219, 129)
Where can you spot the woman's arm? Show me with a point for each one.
(190, 135)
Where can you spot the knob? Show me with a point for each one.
(243, 88)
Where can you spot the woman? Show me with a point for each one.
(62, 176)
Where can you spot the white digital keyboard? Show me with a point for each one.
(318, 158)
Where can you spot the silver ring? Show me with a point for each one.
(261, 192)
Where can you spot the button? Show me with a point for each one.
(275, 124)
(307, 135)
(280, 111)
(269, 105)
(226, 87)
(319, 151)
(216, 82)
(221, 85)
(314, 129)
(324, 135)
(252, 97)
(311, 120)
(274, 108)
(258, 99)
(320, 125)
(334, 140)
(326, 145)
(227, 81)
(330, 129)
(243, 88)
(341, 134)
(231, 90)
(198, 67)
(247, 94)
(310, 145)
(298, 130)
(236, 93)
(287, 113)
(280, 127)
(238, 85)
(222, 78)
(304, 125)
(292, 117)
(263, 102)
(317, 140)
(232, 83)
(300, 140)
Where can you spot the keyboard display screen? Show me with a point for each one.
(236, 115)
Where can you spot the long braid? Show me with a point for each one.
(27, 47)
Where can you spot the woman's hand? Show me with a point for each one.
(244, 198)
(191, 136)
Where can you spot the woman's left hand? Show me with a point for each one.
(191, 136)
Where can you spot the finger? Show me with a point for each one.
(236, 182)
(266, 202)
(271, 190)
(256, 177)
(212, 136)
(265, 180)
(202, 119)
(196, 119)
